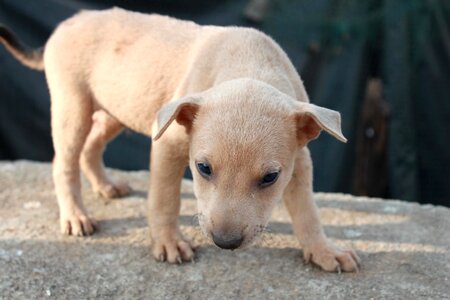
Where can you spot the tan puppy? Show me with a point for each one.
(242, 123)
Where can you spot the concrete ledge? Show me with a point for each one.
(404, 248)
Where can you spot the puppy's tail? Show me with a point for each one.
(32, 58)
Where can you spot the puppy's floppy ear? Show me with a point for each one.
(182, 110)
(311, 119)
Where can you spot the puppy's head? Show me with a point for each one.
(244, 136)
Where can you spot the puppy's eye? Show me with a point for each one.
(269, 179)
(204, 169)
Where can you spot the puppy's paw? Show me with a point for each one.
(174, 250)
(332, 258)
(113, 190)
(77, 224)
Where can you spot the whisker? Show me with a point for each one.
(196, 219)
(266, 229)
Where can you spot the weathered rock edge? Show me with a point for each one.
(404, 248)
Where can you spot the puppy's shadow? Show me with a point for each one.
(121, 226)
(137, 194)
(144, 195)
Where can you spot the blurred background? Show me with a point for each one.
(385, 65)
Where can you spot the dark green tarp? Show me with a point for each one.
(335, 45)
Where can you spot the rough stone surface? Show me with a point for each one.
(404, 248)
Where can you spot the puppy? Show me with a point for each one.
(242, 123)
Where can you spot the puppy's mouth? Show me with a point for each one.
(247, 237)
(233, 242)
(253, 236)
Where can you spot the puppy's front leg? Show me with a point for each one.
(299, 201)
(168, 161)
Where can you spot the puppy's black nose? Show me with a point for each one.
(227, 243)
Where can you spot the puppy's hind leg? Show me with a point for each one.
(71, 111)
(104, 129)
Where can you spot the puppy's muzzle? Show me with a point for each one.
(227, 242)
